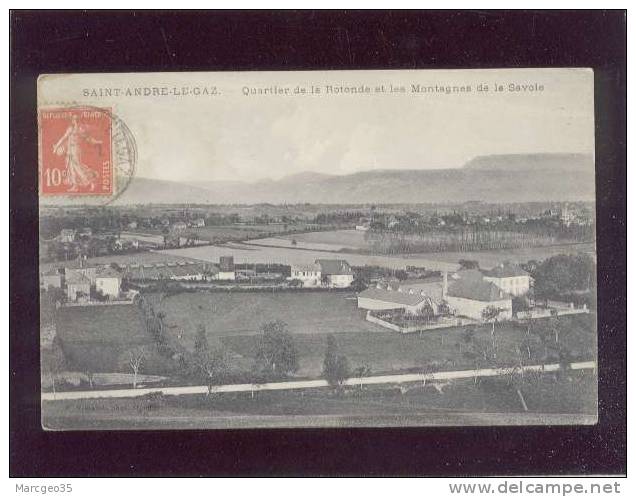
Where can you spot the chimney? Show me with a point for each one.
(444, 284)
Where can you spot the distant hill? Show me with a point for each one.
(494, 178)
(534, 162)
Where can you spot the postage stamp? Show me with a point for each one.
(75, 151)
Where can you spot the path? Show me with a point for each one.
(301, 384)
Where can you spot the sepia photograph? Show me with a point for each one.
(317, 249)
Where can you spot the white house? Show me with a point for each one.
(469, 294)
(509, 277)
(335, 273)
(67, 235)
(108, 282)
(89, 272)
(78, 287)
(198, 223)
(309, 274)
(50, 278)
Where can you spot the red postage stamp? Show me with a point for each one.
(75, 151)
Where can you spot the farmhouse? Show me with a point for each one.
(309, 274)
(335, 273)
(78, 287)
(386, 299)
(50, 278)
(330, 273)
(108, 282)
(226, 269)
(67, 235)
(509, 277)
(470, 293)
(79, 267)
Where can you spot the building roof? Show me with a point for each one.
(108, 272)
(306, 267)
(53, 271)
(334, 266)
(392, 296)
(505, 270)
(75, 278)
(473, 287)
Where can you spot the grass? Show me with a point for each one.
(226, 313)
(386, 352)
(322, 240)
(94, 338)
(553, 399)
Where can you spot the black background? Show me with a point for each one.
(118, 41)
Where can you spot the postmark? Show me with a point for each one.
(85, 153)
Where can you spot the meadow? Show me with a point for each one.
(388, 352)
(95, 338)
(243, 313)
(568, 399)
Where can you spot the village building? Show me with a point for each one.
(469, 293)
(51, 278)
(335, 273)
(78, 287)
(308, 274)
(509, 277)
(330, 273)
(198, 223)
(108, 282)
(79, 267)
(179, 226)
(67, 235)
(380, 298)
(226, 268)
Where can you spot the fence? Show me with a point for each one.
(441, 323)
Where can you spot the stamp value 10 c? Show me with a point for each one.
(75, 151)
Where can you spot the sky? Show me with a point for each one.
(225, 135)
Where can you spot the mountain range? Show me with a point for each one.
(488, 178)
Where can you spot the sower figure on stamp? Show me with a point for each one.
(78, 174)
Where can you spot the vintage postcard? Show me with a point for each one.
(317, 249)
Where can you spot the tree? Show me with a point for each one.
(468, 264)
(212, 365)
(54, 361)
(358, 285)
(134, 359)
(201, 345)
(543, 332)
(520, 304)
(277, 352)
(491, 314)
(335, 366)
(563, 274)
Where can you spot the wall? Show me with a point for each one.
(517, 285)
(108, 286)
(340, 280)
(474, 308)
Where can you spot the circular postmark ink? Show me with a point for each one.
(87, 155)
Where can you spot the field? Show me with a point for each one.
(568, 399)
(306, 252)
(387, 352)
(320, 240)
(226, 313)
(233, 319)
(95, 338)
